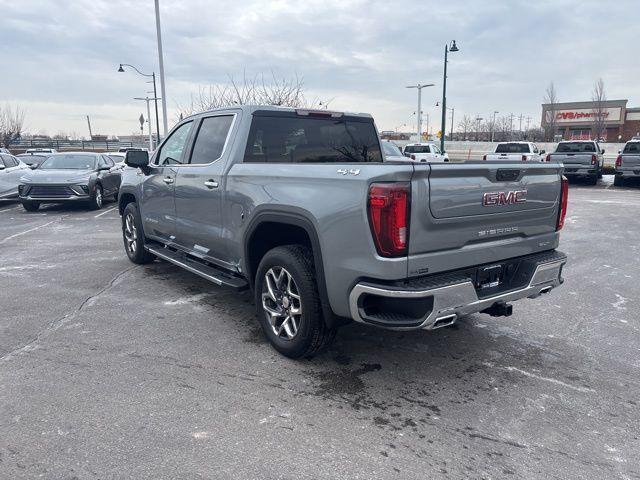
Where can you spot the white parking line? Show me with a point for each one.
(26, 231)
(105, 212)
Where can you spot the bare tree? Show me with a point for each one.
(257, 90)
(549, 122)
(466, 125)
(11, 124)
(599, 98)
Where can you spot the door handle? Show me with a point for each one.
(211, 184)
(167, 180)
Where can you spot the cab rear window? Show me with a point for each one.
(512, 148)
(298, 139)
(576, 147)
(632, 148)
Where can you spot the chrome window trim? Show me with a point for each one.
(195, 138)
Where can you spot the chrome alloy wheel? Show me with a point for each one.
(281, 302)
(131, 234)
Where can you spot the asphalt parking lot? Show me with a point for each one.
(110, 370)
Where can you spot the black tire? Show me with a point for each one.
(97, 198)
(137, 254)
(618, 181)
(31, 206)
(312, 334)
(593, 180)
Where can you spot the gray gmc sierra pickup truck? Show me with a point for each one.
(581, 158)
(300, 207)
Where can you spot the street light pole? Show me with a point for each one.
(155, 94)
(493, 125)
(419, 112)
(447, 49)
(161, 63)
(147, 99)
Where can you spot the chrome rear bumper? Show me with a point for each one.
(451, 301)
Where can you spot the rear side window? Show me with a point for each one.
(513, 148)
(211, 138)
(417, 149)
(10, 161)
(576, 147)
(283, 139)
(632, 148)
(391, 150)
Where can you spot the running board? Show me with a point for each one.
(215, 275)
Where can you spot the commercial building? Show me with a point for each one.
(576, 120)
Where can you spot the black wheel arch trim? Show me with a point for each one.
(298, 218)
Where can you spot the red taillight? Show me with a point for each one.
(524, 158)
(548, 157)
(484, 158)
(619, 161)
(389, 217)
(564, 200)
(594, 159)
(413, 157)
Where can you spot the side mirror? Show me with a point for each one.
(137, 158)
(2, 166)
(602, 151)
(619, 152)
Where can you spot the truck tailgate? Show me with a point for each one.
(630, 161)
(573, 158)
(473, 213)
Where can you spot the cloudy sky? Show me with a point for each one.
(60, 58)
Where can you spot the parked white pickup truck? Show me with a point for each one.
(515, 152)
(425, 152)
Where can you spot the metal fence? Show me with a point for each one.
(61, 145)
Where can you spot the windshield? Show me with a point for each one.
(417, 149)
(512, 148)
(633, 147)
(391, 149)
(576, 147)
(69, 162)
(33, 159)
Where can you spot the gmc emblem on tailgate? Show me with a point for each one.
(493, 199)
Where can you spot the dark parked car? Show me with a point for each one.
(11, 169)
(34, 160)
(71, 177)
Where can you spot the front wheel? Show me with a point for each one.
(133, 236)
(31, 206)
(288, 303)
(96, 198)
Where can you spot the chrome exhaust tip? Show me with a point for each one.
(444, 321)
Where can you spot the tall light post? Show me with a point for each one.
(155, 95)
(447, 48)
(147, 99)
(452, 112)
(478, 120)
(493, 125)
(419, 87)
(161, 64)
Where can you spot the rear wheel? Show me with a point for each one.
(288, 303)
(133, 236)
(96, 198)
(31, 206)
(593, 180)
(618, 181)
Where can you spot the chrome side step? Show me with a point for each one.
(215, 275)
